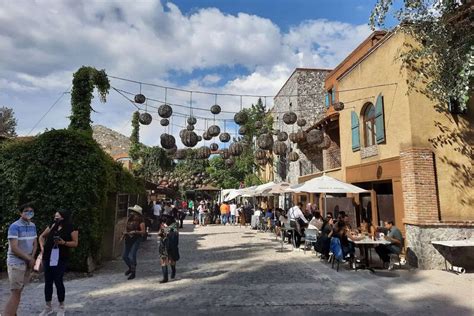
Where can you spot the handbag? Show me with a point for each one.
(39, 264)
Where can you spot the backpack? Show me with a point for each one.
(336, 248)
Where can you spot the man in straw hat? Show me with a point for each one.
(133, 235)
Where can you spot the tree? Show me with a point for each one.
(153, 161)
(83, 83)
(7, 122)
(444, 60)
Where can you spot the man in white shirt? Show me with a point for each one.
(233, 211)
(296, 217)
(156, 208)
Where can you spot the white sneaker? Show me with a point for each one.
(61, 311)
(47, 311)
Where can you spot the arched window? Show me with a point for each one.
(369, 125)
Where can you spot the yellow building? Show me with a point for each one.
(394, 141)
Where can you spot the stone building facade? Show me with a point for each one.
(304, 90)
(114, 144)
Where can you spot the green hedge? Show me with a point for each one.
(62, 169)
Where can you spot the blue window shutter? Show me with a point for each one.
(327, 99)
(355, 131)
(333, 96)
(379, 120)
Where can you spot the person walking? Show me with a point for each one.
(202, 209)
(157, 211)
(297, 221)
(55, 242)
(233, 211)
(168, 248)
(224, 213)
(20, 256)
(133, 235)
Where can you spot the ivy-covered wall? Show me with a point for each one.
(61, 169)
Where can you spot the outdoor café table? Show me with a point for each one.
(366, 242)
(283, 231)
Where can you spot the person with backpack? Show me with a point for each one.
(168, 248)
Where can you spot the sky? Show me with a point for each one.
(220, 46)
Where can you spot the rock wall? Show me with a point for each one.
(307, 86)
(112, 142)
(422, 254)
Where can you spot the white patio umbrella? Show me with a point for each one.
(277, 188)
(260, 189)
(325, 184)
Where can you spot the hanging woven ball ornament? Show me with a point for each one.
(293, 156)
(215, 109)
(229, 162)
(225, 153)
(206, 136)
(181, 133)
(214, 147)
(260, 154)
(290, 118)
(192, 120)
(236, 149)
(242, 130)
(140, 98)
(165, 111)
(224, 137)
(145, 118)
(292, 137)
(258, 125)
(213, 130)
(180, 154)
(189, 139)
(190, 127)
(164, 122)
(314, 137)
(167, 141)
(282, 136)
(172, 150)
(300, 136)
(205, 152)
(199, 138)
(240, 118)
(326, 143)
(265, 141)
(301, 122)
(280, 148)
(338, 106)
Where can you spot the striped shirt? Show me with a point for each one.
(25, 233)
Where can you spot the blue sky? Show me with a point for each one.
(247, 46)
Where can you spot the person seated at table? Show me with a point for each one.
(367, 228)
(284, 223)
(324, 240)
(316, 222)
(396, 241)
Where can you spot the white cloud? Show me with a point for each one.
(146, 41)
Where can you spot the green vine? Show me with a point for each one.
(83, 83)
(135, 137)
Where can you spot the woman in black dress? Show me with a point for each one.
(55, 242)
(168, 248)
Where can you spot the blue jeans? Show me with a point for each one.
(223, 219)
(232, 219)
(202, 218)
(130, 251)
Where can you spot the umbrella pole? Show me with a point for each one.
(325, 205)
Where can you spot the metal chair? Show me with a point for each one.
(310, 237)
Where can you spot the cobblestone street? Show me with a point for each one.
(236, 270)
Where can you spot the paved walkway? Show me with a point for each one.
(235, 271)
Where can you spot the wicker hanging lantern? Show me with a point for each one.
(189, 139)
(240, 118)
(199, 138)
(326, 143)
(242, 130)
(225, 153)
(260, 154)
(224, 137)
(213, 130)
(205, 152)
(236, 149)
(338, 106)
(192, 120)
(190, 127)
(215, 109)
(290, 118)
(265, 141)
(314, 137)
(172, 150)
(164, 122)
(181, 133)
(229, 162)
(206, 136)
(280, 148)
(167, 141)
(292, 137)
(140, 98)
(180, 154)
(258, 125)
(214, 147)
(145, 118)
(282, 136)
(300, 136)
(293, 156)
(301, 122)
(165, 111)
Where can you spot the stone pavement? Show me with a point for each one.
(234, 270)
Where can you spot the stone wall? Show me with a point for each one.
(422, 254)
(308, 84)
